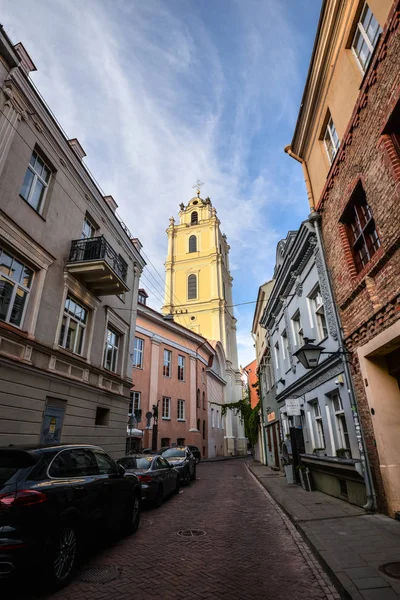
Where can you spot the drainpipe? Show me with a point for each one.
(310, 195)
(315, 219)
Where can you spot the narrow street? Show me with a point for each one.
(247, 550)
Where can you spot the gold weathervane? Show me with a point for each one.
(197, 186)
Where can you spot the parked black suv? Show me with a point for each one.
(51, 496)
(196, 453)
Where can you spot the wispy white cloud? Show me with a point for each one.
(158, 99)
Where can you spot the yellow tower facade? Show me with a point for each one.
(198, 291)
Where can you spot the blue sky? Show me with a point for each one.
(163, 92)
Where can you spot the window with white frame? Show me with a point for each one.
(320, 439)
(134, 406)
(15, 285)
(88, 229)
(218, 421)
(166, 408)
(331, 140)
(181, 410)
(285, 345)
(365, 37)
(138, 353)
(318, 310)
(340, 420)
(212, 418)
(73, 326)
(297, 329)
(36, 182)
(181, 368)
(276, 349)
(167, 363)
(111, 350)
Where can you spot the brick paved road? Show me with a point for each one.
(250, 550)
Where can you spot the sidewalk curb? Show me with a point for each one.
(220, 459)
(345, 595)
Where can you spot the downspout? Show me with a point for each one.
(310, 195)
(315, 218)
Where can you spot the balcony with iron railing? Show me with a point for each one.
(96, 264)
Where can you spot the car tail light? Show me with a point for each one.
(144, 478)
(22, 498)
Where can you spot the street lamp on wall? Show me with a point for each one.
(309, 354)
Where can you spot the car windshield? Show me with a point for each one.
(136, 462)
(173, 452)
(12, 463)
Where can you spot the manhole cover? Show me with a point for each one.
(146, 522)
(391, 569)
(102, 574)
(191, 533)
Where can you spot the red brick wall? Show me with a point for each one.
(368, 301)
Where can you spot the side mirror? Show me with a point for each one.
(121, 471)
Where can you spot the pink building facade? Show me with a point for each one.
(174, 369)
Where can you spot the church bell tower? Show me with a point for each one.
(198, 289)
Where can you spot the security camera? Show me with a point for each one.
(337, 382)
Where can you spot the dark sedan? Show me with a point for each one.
(157, 477)
(51, 497)
(184, 462)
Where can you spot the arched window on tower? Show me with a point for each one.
(198, 424)
(192, 287)
(193, 243)
(204, 430)
(198, 398)
(204, 400)
(194, 219)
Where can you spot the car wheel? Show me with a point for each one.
(132, 518)
(158, 500)
(61, 556)
(193, 477)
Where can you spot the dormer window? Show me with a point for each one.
(194, 219)
(142, 297)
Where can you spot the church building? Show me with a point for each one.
(198, 294)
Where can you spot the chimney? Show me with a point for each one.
(137, 244)
(77, 148)
(111, 203)
(26, 63)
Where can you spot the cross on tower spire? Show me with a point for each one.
(197, 186)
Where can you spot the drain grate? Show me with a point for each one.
(391, 569)
(192, 533)
(102, 574)
(146, 522)
(236, 477)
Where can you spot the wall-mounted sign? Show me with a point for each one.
(293, 406)
(271, 417)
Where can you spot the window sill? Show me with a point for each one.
(70, 353)
(34, 209)
(13, 328)
(138, 368)
(115, 373)
(165, 418)
(181, 420)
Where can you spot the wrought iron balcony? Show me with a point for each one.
(96, 264)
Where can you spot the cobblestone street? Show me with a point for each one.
(249, 550)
